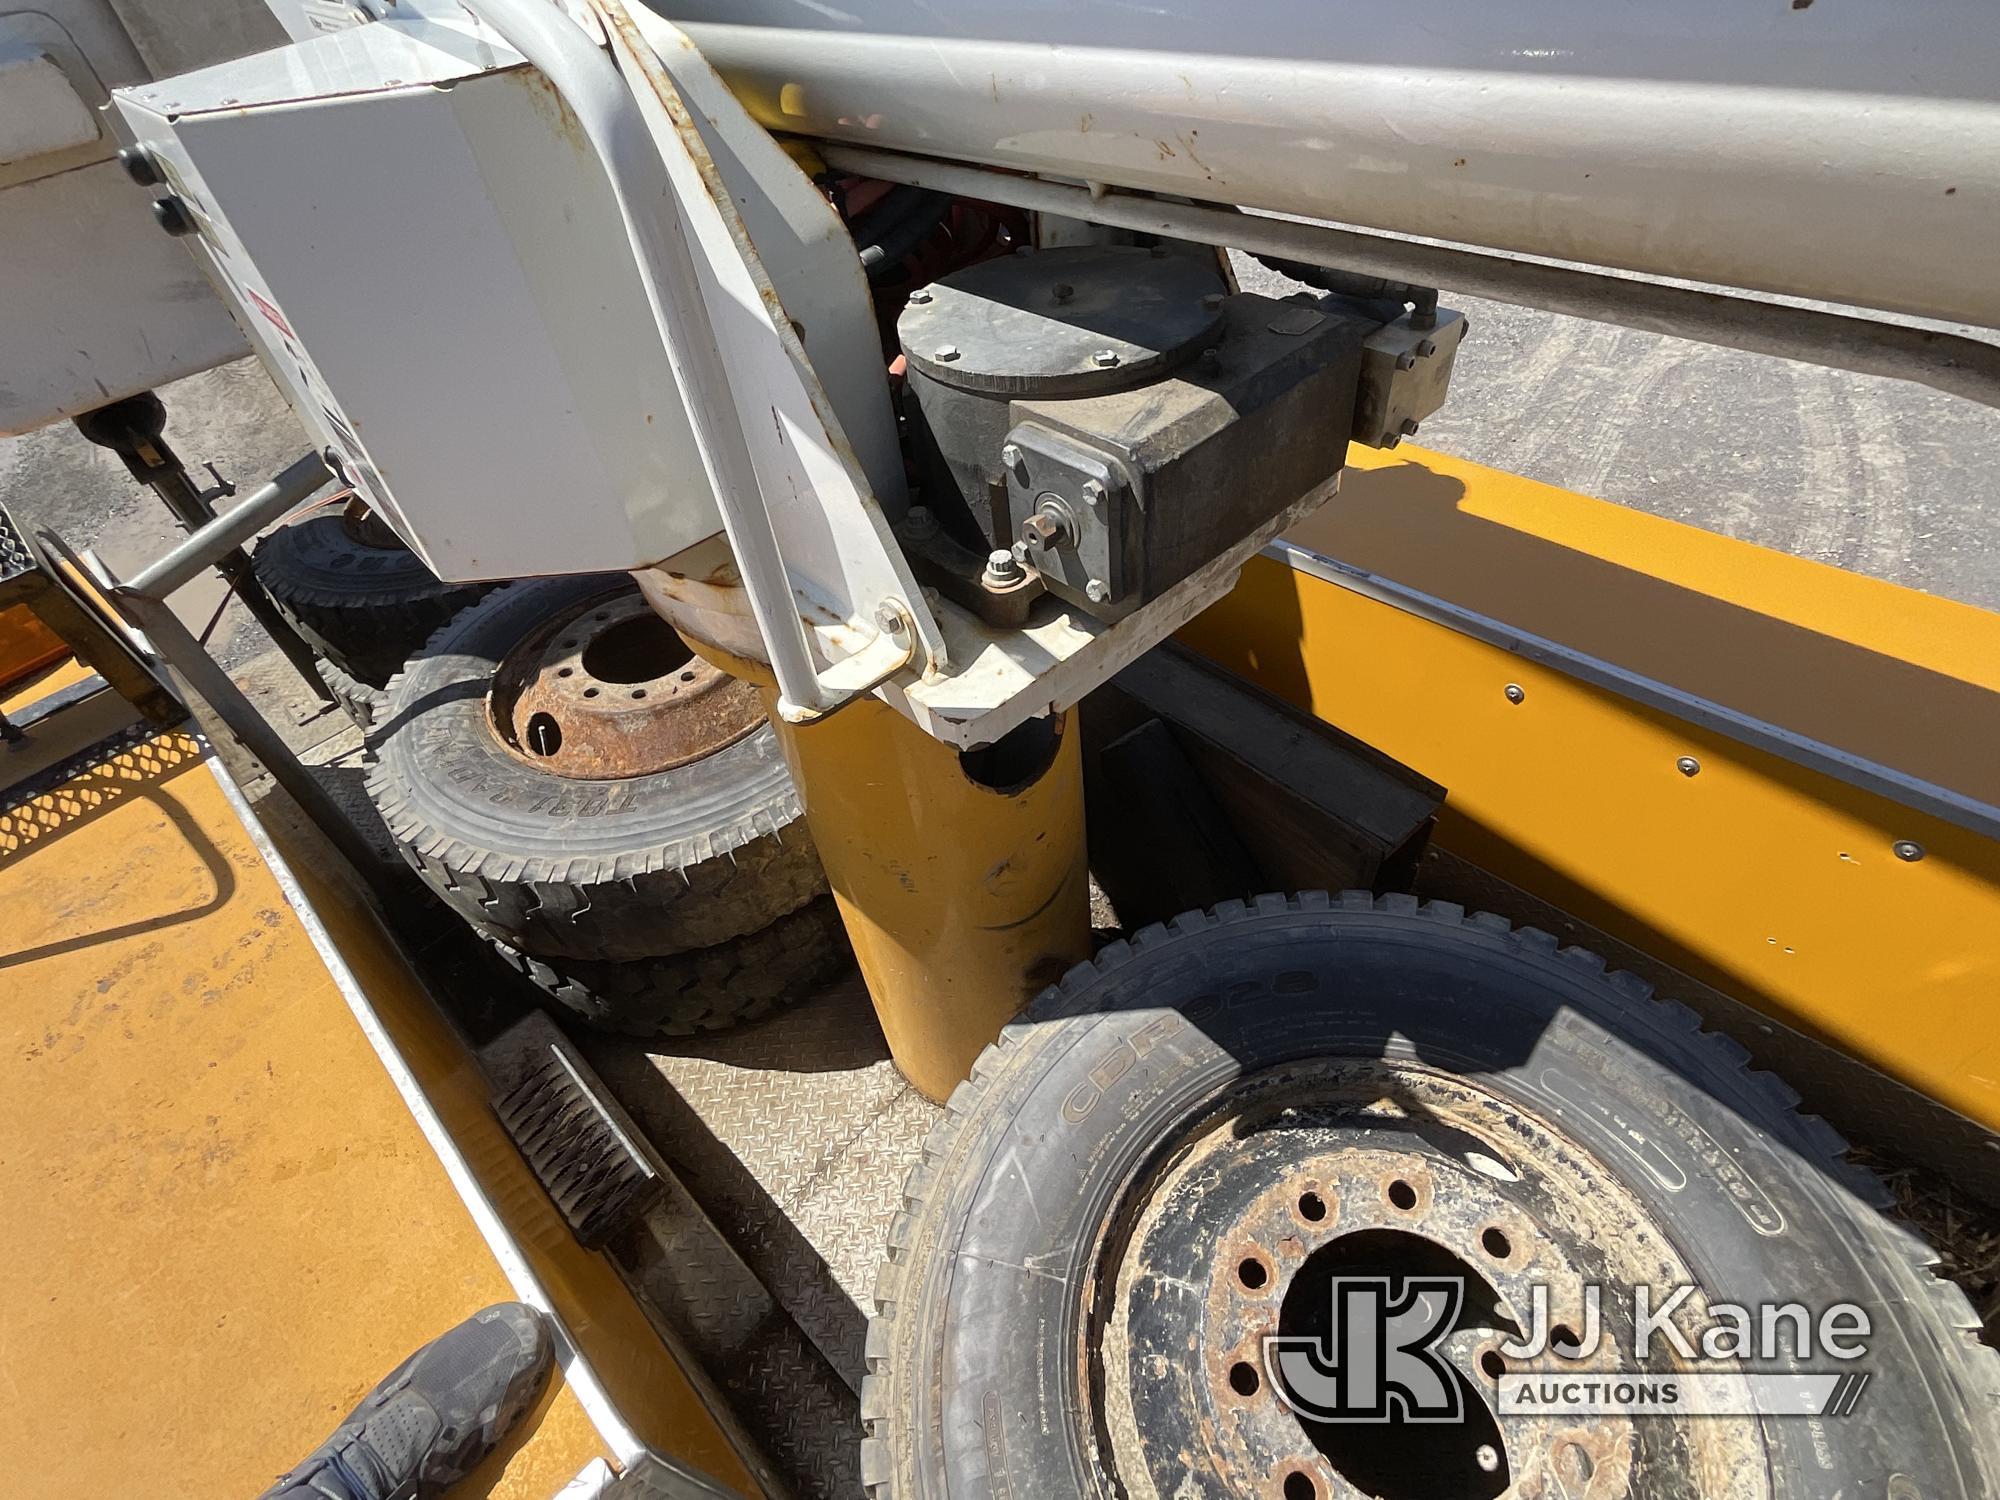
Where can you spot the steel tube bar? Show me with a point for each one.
(231, 529)
(1961, 366)
(169, 480)
(1840, 153)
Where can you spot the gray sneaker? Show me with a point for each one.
(435, 1416)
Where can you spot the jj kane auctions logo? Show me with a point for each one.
(1383, 1360)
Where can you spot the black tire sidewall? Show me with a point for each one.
(317, 560)
(363, 608)
(1153, 1033)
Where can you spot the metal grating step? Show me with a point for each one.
(596, 1173)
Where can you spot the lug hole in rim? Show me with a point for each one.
(1493, 1240)
(590, 692)
(1312, 1207)
(544, 735)
(1574, 1463)
(1253, 1273)
(1402, 1195)
(1493, 1364)
(1299, 1485)
(1244, 1379)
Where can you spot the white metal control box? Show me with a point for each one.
(421, 242)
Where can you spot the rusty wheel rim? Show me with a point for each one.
(1354, 1168)
(609, 691)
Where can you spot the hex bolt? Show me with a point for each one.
(917, 526)
(1909, 851)
(1095, 591)
(1041, 530)
(1105, 359)
(1406, 361)
(1515, 692)
(1011, 460)
(1392, 440)
(1062, 291)
(1426, 349)
(1213, 302)
(1211, 361)
(1409, 427)
(1093, 493)
(1003, 569)
(892, 617)
(946, 353)
(921, 296)
(1687, 765)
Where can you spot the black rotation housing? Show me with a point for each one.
(1116, 417)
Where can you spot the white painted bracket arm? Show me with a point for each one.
(809, 541)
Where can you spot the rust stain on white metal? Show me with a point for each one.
(548, 100)
(615, 16)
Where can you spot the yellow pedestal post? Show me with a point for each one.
(962, 879)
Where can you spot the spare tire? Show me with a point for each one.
(358, 596)
(570, 778)
(709, 989)
(1187, 1145)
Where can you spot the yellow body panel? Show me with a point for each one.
(648, 1388)
(50, 677)
(26, 644)
(1774, 882)
(224, 1222)
(223, 1226)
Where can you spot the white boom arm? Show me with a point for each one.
(1826, 150)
